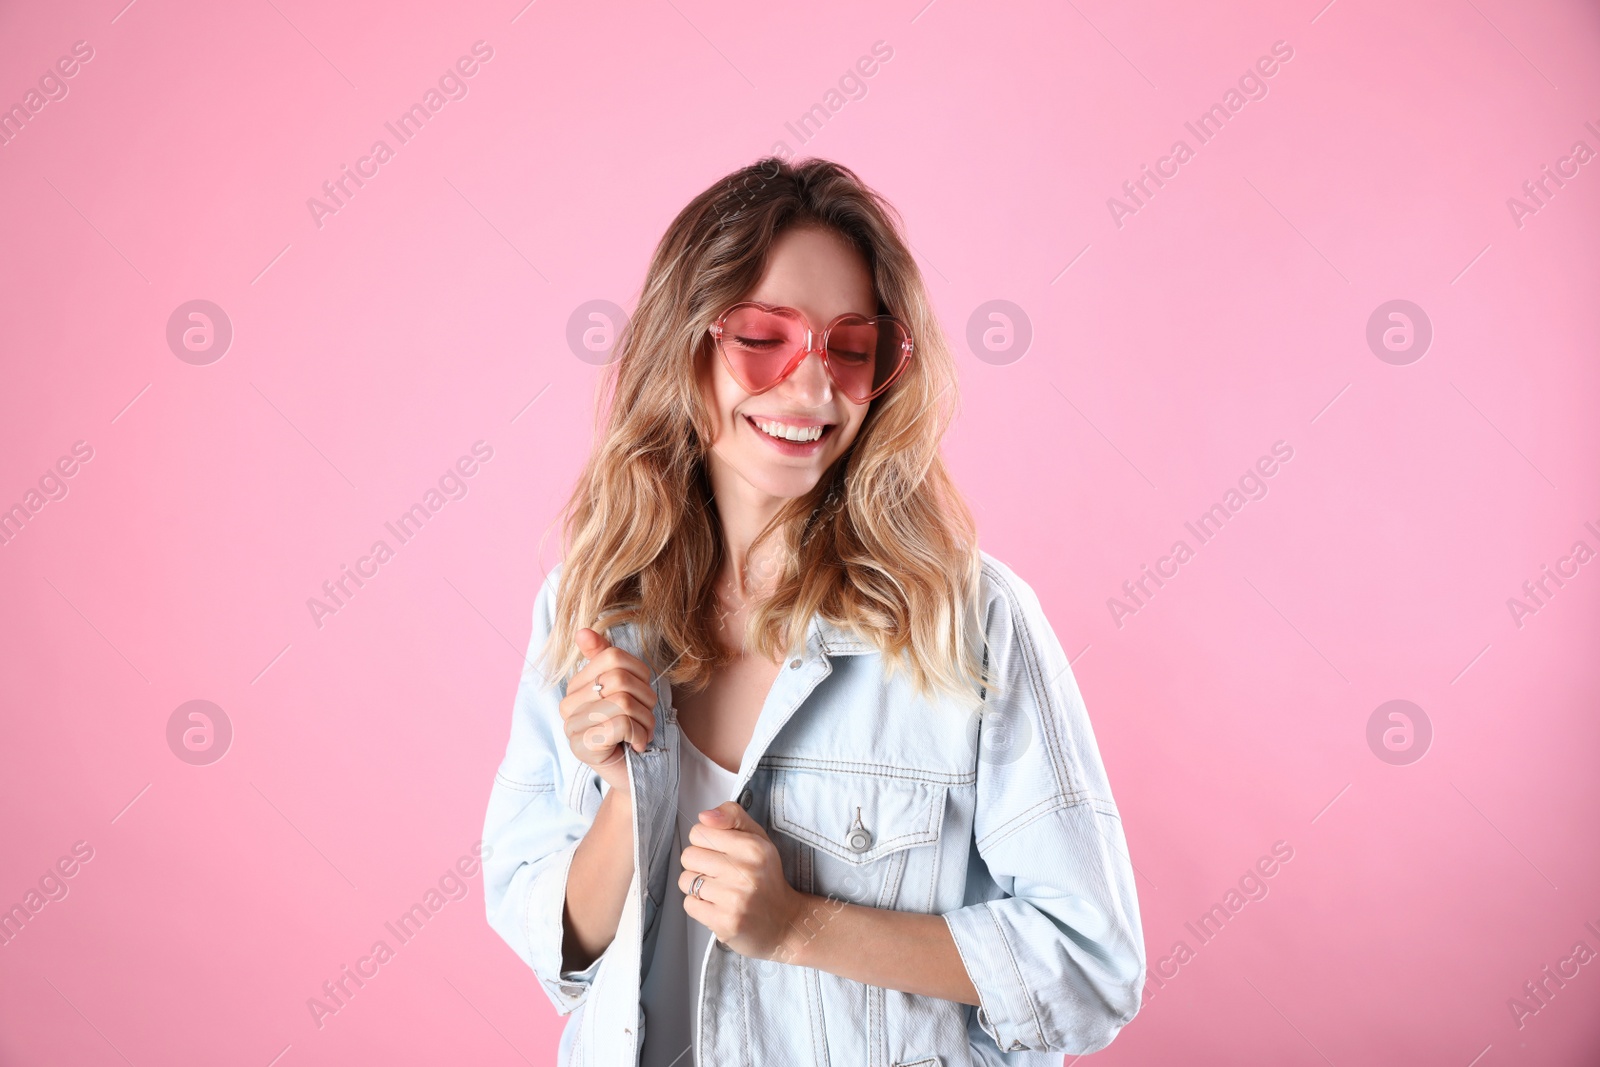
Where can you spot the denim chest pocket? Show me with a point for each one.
(862, 838)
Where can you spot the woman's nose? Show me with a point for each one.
(810, 381)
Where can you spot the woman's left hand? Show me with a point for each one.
(745, 900)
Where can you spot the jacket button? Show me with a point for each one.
(859, 840)
(746, 797)
(794, 664)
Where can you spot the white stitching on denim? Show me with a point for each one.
(1041, 688)
(784, 824)
(1016, 970)
(813, 982)
(871, 770)
(527, 918)
(1033, 814)
(524, 787)
(982, 1005)
(744, 1009)
(874, 1027)
(891, 883)
(916, 837)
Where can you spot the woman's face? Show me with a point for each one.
(820, 275)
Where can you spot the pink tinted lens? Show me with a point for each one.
(759, 344)
(863, 354)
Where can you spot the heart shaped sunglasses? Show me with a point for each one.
(762, 344)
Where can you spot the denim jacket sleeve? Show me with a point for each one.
(1058, 960)
(542, 802)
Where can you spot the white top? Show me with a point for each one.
(671, 988)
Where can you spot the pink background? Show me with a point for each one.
(1228, 313)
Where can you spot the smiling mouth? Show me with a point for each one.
(782, 431)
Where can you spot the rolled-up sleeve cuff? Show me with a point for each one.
(544, 929)
(1005, 1012)
(576, 983)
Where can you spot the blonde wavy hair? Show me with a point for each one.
(883, 545)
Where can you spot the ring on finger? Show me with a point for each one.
(598, 691)
(694, 890)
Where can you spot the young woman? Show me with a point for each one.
(797, 773)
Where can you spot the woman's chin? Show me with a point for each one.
(774, 480)
(789, 487)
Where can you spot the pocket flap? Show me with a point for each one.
(856, 818)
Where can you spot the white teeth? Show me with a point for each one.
(789, 433)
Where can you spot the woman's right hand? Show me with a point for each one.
(597, 727)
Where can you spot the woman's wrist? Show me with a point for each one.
(806, 921)
(617, 798)
(615, 776)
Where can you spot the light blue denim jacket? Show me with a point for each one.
(1003, 822)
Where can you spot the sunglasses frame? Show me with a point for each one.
(907, 348)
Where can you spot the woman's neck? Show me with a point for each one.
(742, 512)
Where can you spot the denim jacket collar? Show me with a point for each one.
(822, 637)
(835, 641)
(796, 678)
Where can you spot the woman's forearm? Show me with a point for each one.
(597, 882)
(903, 950)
